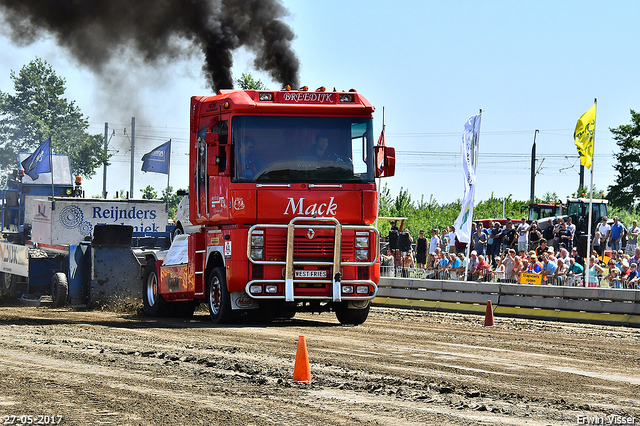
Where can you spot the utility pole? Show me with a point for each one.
(533, 168)
(133, 150)
(104, 167)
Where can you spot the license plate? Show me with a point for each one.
(310, 274)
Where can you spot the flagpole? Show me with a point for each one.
(375, 161)
(595, 101)
(166, 198)
(53, 191)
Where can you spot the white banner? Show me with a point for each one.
(14, 259)
(74, 219)
(469, 147)
(463, 222)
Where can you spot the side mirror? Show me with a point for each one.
(217, 154)
(385, 160)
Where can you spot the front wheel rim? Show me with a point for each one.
(214, 296)
(152, 288)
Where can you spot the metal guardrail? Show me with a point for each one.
(491, 276)
(587, 304)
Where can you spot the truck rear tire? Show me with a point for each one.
(154, 303)
(218, 297)
(59, 290)
(9, 284)
(351, 316)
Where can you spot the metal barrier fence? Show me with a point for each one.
(563, 303)
(491, 276)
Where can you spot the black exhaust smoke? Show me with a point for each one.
(98, 32)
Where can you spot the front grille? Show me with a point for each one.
(312, 249)
(257, 271)
(320, 247)
(363, 273)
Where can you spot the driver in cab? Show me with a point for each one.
(249, 163)
(319, 150)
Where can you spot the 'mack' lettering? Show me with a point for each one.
(298, 208)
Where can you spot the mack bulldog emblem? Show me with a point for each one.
(238, 204)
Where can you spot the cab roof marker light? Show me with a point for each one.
(321, 89)
(286, 89)
(304, 89)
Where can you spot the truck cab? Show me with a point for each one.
(20, 191)
(578, 210)
(282, 188)
(542, 211)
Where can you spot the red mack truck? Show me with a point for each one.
(282, 192)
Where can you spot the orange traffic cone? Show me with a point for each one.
(301, 370)
(488, 318)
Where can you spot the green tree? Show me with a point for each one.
(549, 197)
(492, 208)
(625, 193)
(247, 82)
(430, 214)
(172, 199)
(583, 192)
(149, 193)
(38, 111)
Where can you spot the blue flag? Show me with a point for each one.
(39, 161)
(157, 161)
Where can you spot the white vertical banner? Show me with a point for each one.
(469, 147)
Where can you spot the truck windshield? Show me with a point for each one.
(302, 149)
(538, 212)
(581, 209)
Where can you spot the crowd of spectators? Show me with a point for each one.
(505, 253)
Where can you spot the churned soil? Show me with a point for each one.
(399, 368)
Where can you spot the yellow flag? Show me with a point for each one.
(584, 134)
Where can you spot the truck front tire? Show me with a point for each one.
(59, 290)
(218, 297)
(178, 230)
(353, 315)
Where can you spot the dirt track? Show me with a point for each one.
(399, 368)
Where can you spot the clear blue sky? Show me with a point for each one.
(430, 65)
